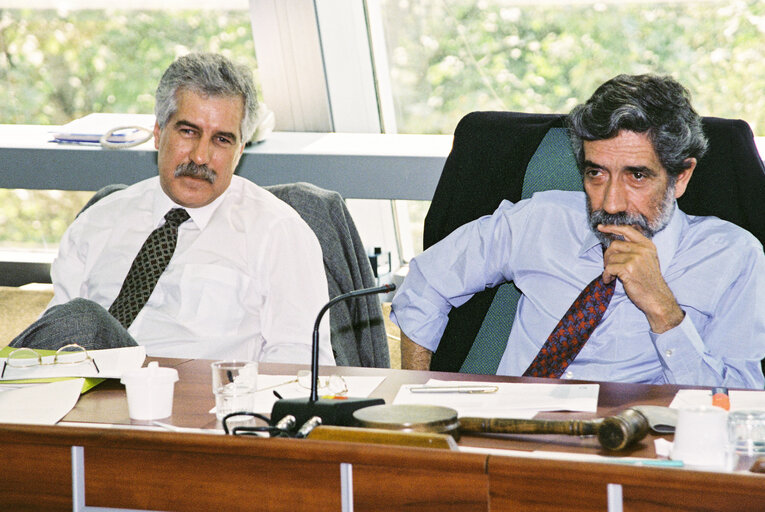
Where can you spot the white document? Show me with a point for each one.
(111, 364)
(91, 127)
(740, 400)
(511, 400)
(287, 387)
(41, 404)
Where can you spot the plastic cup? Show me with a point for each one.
(746, 435)
(701, 437)
(234, 384)
(150, 391)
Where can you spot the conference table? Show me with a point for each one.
(96, 458)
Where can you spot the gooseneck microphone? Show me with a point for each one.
(332, 411)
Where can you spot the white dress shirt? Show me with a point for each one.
(246, 280)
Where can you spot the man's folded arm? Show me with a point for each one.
(727, 351)
(414, 356)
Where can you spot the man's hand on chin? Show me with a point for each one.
(635, 262)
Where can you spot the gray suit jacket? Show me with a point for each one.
(356, 325)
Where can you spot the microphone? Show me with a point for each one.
(331, 411)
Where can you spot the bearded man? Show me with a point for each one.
(668, 297)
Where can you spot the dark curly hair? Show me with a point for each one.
(656, 105)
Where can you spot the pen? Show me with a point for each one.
(664, 463)
(453, 389)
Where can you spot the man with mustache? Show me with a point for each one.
(688, 296)
(245, 279)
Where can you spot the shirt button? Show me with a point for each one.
(569, 374)
(669, 352)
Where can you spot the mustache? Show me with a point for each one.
(193, 170)
(637, 220)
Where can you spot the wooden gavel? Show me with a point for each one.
(614, 432)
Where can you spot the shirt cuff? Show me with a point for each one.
(418, 318)
(681, 352)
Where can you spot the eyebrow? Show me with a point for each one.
(228, 135)
(630, 168)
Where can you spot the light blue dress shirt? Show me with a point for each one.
(715, 269)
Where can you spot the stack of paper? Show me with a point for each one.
(91, 128)
(42, 394)
(109, 364)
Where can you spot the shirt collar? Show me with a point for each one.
(200, 216)
(666, 240)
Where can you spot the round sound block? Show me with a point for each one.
(410, 418)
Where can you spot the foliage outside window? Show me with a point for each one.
(450, 57)
(446, 58)
(58, 66)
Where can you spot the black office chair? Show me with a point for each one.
(509, 155)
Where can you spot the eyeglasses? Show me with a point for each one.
(327, 385)
(25, 357)
(335, 384)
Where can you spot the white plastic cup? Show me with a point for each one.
(234, 384)
(150, 391)
(701, 437)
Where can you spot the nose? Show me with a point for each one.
(614, 197)
(200, 153)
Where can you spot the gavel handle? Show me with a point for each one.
(614, 433)
(520, 426)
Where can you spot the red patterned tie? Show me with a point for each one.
(573, 330)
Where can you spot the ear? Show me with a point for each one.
(156, 135)
(681, 183)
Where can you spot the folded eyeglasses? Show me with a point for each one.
(25, 357)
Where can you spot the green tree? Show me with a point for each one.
(450, 57)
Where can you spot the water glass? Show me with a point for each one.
(234, 384)
(746, 433)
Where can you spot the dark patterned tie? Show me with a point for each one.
(147, 266)
(573, 330)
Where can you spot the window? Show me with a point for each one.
(435, 61)
(59, 64)
(447, 58)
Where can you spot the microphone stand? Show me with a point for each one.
(331, 411)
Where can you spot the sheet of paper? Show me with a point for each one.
(41, 404)
(739, 399)
(111, 363)
(511, 400)
(287, 387)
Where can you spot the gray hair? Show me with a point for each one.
(207, 74)
(656, 105)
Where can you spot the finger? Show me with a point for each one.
(630, 233)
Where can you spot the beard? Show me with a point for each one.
(662, 210)
(193, 170)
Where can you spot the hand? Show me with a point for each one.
(635, 262)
